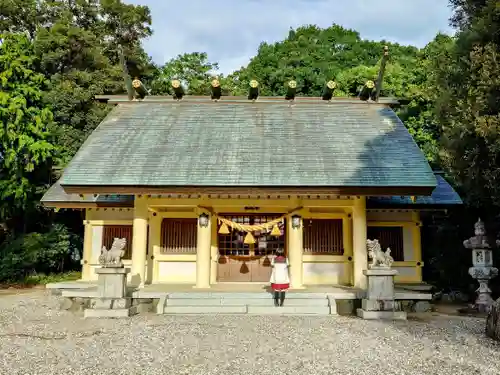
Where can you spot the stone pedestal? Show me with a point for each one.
(111, 300)
(483, 271)
(379, 301)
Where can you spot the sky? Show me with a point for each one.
(230, 31)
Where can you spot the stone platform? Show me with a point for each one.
(236, 298)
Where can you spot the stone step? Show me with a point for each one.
(289, 310)
(205, 310)
(242, 295)
(243, 302)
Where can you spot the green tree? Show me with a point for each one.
(422, 92)
(76, 43)
(312, 56)
(26, 143)
(71, 53)
(194, 70)
(468, 107)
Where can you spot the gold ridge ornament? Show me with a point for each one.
(253, 92)
(216, 90)
(178, 89)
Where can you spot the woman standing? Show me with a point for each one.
(280, 281)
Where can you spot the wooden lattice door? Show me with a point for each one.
(248, 262)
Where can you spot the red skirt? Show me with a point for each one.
(280, 286)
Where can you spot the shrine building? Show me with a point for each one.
(205, 191)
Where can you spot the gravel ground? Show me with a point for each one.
(37, 338)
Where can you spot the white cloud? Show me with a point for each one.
(230, 31)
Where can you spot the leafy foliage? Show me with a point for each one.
(193, 69)
(55, 56)
(468, 108)
(26, 143)
(33, 253)
(312, 56)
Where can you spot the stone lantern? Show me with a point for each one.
(482, 266)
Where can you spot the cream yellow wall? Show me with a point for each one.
(317, 269)
(98, 214)
(330, 269)
(170, 268)
(410, 270)
(182, 268)
(95, 219)
(326, 269)
(176, 270)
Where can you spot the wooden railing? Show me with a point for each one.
(178, 236)
(323, 237)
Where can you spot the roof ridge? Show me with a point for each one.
(114, 99)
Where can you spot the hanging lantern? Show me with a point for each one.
(296, 221)
(249, 238)
(276, 231)
(203, 220)
(223, 229)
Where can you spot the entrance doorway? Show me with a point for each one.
(243, 262)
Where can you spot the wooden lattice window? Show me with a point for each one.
(178, 236)
(391, 237)
(323, 237)
(233, 244)
(111, 232)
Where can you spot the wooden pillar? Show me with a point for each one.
(347, 243)
(417, 244)
(139, 241)
(359, 237)
(214, 252)
(153, 248)
(295, 251)
(203, 251)
(87, 251)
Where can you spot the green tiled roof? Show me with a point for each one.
(312, 144)
(443, 195)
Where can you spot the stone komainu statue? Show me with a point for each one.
(378, 257)
(113, 256)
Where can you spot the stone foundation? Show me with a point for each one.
(379, 302)
(111, 299)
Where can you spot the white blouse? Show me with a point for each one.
(279, 275)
